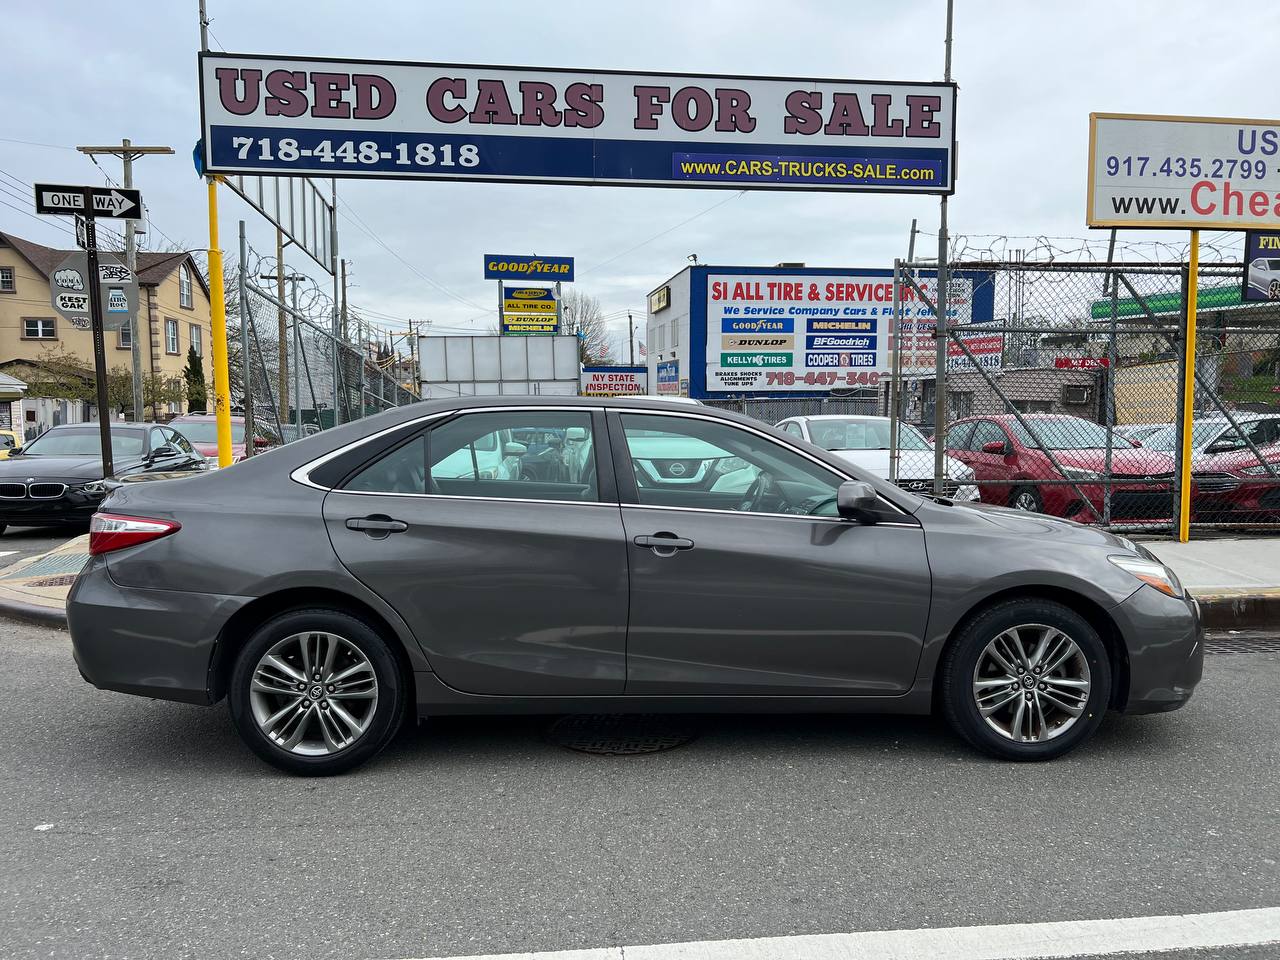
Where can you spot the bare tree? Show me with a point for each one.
(581, 316)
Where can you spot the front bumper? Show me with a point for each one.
(1164, 641)
(153, 643)
(72, 507)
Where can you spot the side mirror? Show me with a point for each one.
(856, 500)
(996, 446)
(513, 449)
(161, 453)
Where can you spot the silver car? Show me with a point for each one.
(677, 558)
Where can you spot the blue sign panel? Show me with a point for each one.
(501, 266)
(756, 325)
(1262, 265)
(669, 376)
(305, 116)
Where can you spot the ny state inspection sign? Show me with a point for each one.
(344, 118)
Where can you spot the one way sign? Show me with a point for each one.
(118, 203)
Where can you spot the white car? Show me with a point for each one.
(1264, 276)
(864, 441)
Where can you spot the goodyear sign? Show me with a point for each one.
(529, 310)
(505, 267)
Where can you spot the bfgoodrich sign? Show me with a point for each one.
(304, 116)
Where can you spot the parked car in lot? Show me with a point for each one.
(202, 430)
(864, 441)
(10, 440)
(1215, 434)
(1018, 471)
(57, 478)
(1236, 485)
(330, 587)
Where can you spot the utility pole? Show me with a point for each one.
(128, 152)
(280, 277)
(631, 337)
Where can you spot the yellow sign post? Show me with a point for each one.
(218, 309)
(1188, 392)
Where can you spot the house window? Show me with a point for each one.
(961, 403)
(7, 284)
(124, 337)
(171, 336)
(197, 341)
(39, 328)
(184, 287)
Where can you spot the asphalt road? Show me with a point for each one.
(134, 828)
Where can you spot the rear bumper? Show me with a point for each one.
(152, 643)
(1164, 639)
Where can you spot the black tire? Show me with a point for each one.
(1029, 496)
(387, 712)
(960, 660)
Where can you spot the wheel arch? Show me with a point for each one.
(1096, 616)
(240, 625)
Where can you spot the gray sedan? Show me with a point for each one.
(678, 558)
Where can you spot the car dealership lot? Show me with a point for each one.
(139, 828)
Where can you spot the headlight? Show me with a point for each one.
(963, 472)
(1262, 469)
(1151, 572)
(1079, 473)
(95, 488)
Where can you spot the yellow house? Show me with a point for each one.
(173, 309)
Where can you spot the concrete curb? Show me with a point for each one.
(1240, 610)
(33, 613)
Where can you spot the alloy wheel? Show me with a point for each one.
(1026, 500)
(1031, 683)
(313, 693)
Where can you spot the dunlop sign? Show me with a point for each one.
(529, 310)
(307, 116)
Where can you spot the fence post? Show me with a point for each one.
(246, 373)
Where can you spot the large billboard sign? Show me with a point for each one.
(771, 331)
(348, 118)
(499, 266)
(1183, 172)
(1261, 265)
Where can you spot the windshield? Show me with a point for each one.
(84, 442)
(1202, 434)
(206, 431)
(860, 433)
(1065, 433)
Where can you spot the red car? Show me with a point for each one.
(1238, 486)
(202, 430)
(1013, 469)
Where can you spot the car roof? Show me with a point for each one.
(840, 416)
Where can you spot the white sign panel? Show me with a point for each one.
(304, 116)
(919, 345)
(614, 382)
(1190, 172)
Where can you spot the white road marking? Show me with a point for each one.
(1015, 941)
(43, 826)
(8, 553)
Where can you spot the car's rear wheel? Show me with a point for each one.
(1026, 679)
(316, 692)
(1026, 498)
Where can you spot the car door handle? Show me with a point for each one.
(376, 525)
(664, 544)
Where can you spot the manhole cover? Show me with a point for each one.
(620, 735)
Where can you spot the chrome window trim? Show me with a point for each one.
(302, 474)
(775, 516)
(457, 496)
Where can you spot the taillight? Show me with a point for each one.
(109, 531)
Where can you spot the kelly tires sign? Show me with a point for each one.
(346, 118)
(1183, 172)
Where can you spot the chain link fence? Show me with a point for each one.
(1064, 395)
(290, 375)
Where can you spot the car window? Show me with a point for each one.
(402, 470)
(6, 440)
(522, 454)
(958, 436)
(179, 441)
(691, 462)
(793, 428)
(987, 431)
(157, 439)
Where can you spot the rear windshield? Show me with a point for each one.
(84, 442)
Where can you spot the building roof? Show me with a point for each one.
(153, 267)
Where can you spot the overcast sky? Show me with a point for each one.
(1029, 74)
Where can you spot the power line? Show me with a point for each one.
(34, 143)
(663, 233)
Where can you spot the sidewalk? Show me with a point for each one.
(1237, 581)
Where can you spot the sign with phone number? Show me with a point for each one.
(1190, 172)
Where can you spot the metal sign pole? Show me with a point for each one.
(1188, 393)
(246, 373)
(99, 341)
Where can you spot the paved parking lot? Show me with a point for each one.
(138, 828)
(19, 542)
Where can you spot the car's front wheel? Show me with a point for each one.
(316, 692)
(1026, 679)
